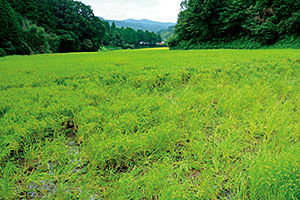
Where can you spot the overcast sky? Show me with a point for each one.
(157, 10)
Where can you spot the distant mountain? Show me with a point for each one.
(143, 24)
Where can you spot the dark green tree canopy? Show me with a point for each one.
(64, 25)
(223, 21)
(10, 28)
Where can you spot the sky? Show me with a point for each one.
(156, 10)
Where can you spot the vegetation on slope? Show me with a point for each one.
(166, 33)
(151, 124)
(49, 26)
(219, 24)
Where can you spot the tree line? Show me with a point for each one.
(43, 26)
(128, 38)
(236, 23)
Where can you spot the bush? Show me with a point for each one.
(87, 45)
(35, 37)
(69, 42)
(129, 46)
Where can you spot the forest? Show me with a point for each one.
(237, 24)
(44, 26)
(128, 38)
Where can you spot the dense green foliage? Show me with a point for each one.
(40, 26)
(166, 33)
(151, 124)
(125, 38)
(10, 35)
(250, 24)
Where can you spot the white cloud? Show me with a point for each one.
(158, 10)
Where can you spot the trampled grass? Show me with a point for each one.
(151, 124)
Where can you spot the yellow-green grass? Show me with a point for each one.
(151, 124)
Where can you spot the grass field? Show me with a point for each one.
(151, 124)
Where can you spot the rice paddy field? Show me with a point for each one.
(151, 124)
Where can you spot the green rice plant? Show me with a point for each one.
(8, 182)
(160, 180)
(274, 176)
(150, 124)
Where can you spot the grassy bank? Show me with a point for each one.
(151, 124)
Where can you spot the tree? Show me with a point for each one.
(113, 26)
(130, 36)
(141, 35)
(35, 37)
(159, 39)
(117, 40)
(87, 45)
(69, 42)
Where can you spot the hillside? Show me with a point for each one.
(237, 24)
(166, 33)
(143, 24)
(44, 26)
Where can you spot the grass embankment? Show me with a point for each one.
(151, 124)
